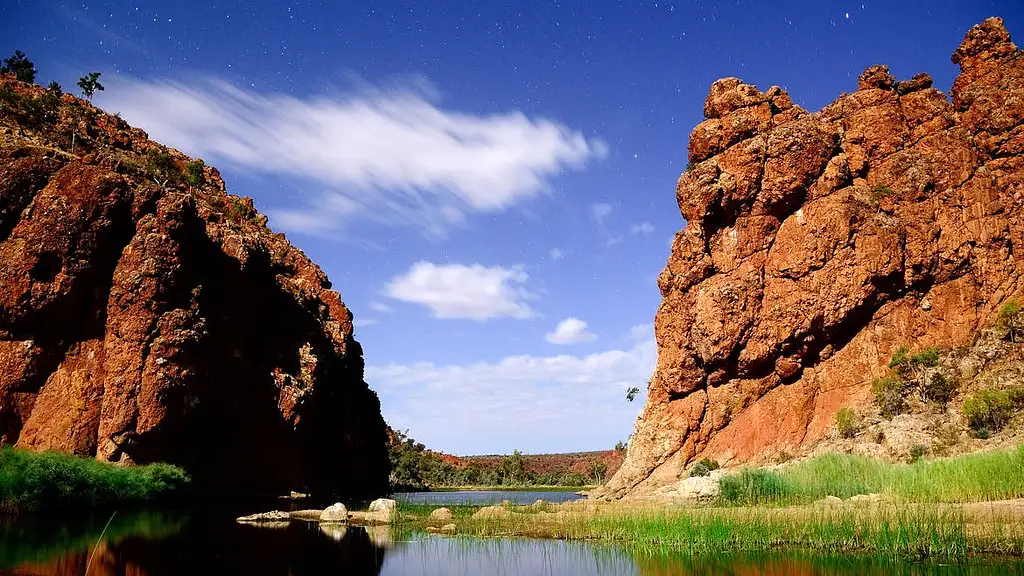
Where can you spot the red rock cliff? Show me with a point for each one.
(146, 315)
(817, 243)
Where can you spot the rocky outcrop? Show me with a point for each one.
(147, 315)
(815, 244)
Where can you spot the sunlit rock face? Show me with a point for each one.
(144, 319)
(817, 243)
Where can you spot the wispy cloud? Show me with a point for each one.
(518, 402)
(600, 211)
(642, 331)
(570, 331)
(360, 322)
(457, 291)
(393, 157)
(556, 254)
(642, 228)
(381, 307)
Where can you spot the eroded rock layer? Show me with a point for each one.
(817, 243)
(146, 316)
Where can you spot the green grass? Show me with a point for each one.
(31, 481)
(925, 531)
(975, 477)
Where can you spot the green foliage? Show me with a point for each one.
(929, 357)
(889, 392)
(988, 408)
(631, 393)
(917, 451)
(880, 191)
(938, 387)
(621, 447)
(237, 211)
(89, 84)
(163, 167)
(703, 468)
(975, 477)
(847, 422)
(900, 360)
(1011, 319)
(20, 66)
(31, 481)
(194, 172)
(597, 472)
(753, 486)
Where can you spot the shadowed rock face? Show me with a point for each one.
(815, 244)
(144, 322)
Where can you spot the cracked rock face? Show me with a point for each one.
(817, 243)
(143, 323)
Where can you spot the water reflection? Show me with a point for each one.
(210, 542)
(482, 497)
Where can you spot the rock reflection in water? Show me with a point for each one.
(200, 545)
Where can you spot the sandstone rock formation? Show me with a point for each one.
(815, 244)
(146, 315)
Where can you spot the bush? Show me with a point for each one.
(880, 191)
(194, 172)
(938, 388)
(163, 167)
(703, 468)
(917, 451)
(929, 357)
(988, 408)
(753, 487)
(1016, 396)
(847, 422)
(900, 358)
(31, 481)
(1011, 318)
(19, 65)
(889, 394)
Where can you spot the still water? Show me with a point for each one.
(484, 497)
(210, 542)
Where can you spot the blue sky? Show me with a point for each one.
(490, 186)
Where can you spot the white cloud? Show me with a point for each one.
(556, 254)
(642, 331)
(642, 228)
(456, 291)
(600, 211)
(381, 307)
(570, 331)
(533, 403)
(392, 157)
(360, 322)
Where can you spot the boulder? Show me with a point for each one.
(335, 513)
(273, 516)
(439, 517)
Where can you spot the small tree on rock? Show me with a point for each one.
(89, 84)
(19, 65)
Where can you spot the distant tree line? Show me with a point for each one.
(414, 467)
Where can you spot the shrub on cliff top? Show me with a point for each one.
(19, 65)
